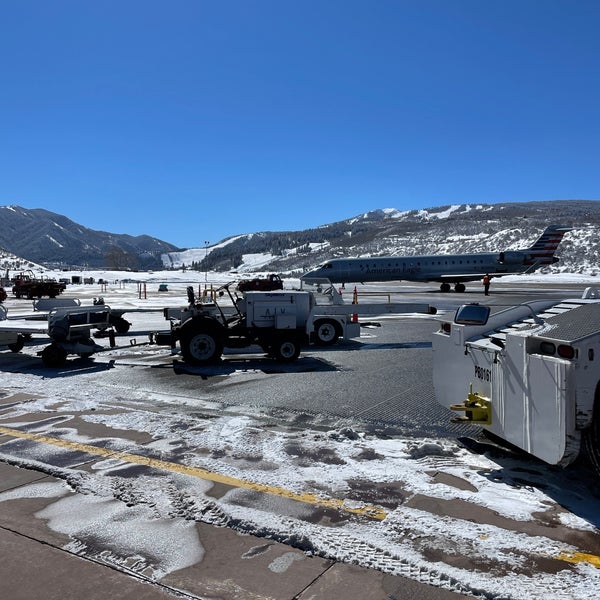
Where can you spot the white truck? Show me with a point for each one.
(529, 374)
(280, 322)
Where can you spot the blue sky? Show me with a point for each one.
(191, 120)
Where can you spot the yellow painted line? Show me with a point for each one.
(579, 557)
(371, 511)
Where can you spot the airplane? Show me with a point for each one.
(444, 268)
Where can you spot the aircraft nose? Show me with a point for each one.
(316, 275)
(310, 274)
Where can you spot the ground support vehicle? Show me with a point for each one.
(529, 374)
(69, 328)
(279, 322)
(116, 320)
(26, 285)
(261, 284)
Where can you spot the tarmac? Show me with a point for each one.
(38, 562)
(36, 565)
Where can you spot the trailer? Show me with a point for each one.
(528, 374)
(69, 329)
(279, 322)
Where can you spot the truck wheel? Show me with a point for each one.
(591, 436)
(326, 332)
(54, 356)
(18, 345)
(200, 345)
(286, 348)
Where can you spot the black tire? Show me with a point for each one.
(54, 356)
(460, 288)
(445, 288)
(18, 345)
(326, 332)
(120, 324)
(201, 343)
(591, 436)
(286, 348)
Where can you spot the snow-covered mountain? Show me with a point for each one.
(45, 237)
(440, 230)
(42, 237)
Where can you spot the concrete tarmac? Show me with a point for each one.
(36, 564)
(40, 562)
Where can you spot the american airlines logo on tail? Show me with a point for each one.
(542, 252)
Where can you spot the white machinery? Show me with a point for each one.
(529, 374)
(280, 322)
(68, 327)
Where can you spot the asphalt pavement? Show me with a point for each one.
(66, 498)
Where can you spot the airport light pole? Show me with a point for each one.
(206, 243)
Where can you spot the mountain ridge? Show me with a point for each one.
(445, 229)
(58, 241)
(49, 238)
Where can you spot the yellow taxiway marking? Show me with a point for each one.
(370, 511)
(579, 557)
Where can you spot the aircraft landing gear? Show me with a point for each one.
(458, 287)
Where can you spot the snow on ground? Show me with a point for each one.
(255, 260)
(408, 477)
(405, 474)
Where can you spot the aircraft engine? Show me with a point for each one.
(512, 258)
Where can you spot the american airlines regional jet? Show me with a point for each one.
(445, 268)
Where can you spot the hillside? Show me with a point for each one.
(54, 240)
(43, 237)
(441, 230)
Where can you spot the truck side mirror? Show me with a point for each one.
(472, 314)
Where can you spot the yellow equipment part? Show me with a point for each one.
(477, 409)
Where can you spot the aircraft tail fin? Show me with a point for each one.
(542, 251)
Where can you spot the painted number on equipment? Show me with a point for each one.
(483, 374)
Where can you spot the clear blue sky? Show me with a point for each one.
(192, 120)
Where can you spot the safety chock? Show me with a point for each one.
(477, 409)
